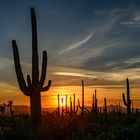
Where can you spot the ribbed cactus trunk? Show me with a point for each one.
(128, 102)
(34, 86)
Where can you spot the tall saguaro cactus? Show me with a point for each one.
(128, 102)
(95, 102)
(34, 86)
(105, 106)
(82, 97)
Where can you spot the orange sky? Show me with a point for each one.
(49, 99)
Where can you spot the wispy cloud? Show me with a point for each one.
(117, 76)
(133, 21)
(77, 44)
(74, 74)
(4, 62)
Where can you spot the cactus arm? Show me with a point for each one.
(29, 81)
(76, 109)
(81, 107)
(18, 69)
(79, 104)
(44, 67)
(124, 100)
(46, 88)
(35, 68)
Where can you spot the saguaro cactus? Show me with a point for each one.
(34, 86)
(58, 99)
(66, 106)
(82, 97)
(94, 103)
(105, 106)
(128, 102)
(73, 107)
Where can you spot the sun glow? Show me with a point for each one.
(62, 101)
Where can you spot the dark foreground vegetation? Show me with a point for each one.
(91, 126)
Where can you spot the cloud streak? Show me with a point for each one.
(77, 44)
(133, 21)
(74, 74)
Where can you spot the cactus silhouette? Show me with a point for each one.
(94, 103)
(82, 107)
(105, 106)
(73, 107)
(10, 104)
(58, 100)
(70, 106)
(34, 85)
(74, 102)
(132, 110)
(82, 97)
(128, 102)
(2, 108)
(66, 105)
(62, 112)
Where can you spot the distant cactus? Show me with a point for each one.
(58, 100)
(10, 104)
(70, 106)
(94, 103)
(2, 108)
(73, 109)
(34, 85)
(128, 102)
(62, 112)
(82, 97)
(132, 106)
(105, 106)
(74, 102)
(66, 106)
(81, 107)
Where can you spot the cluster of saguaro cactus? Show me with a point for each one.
(95, 102)
(64, 109)
(128, 102)
(73, 107)
(34, 85)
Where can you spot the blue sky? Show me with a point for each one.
(97, 41)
